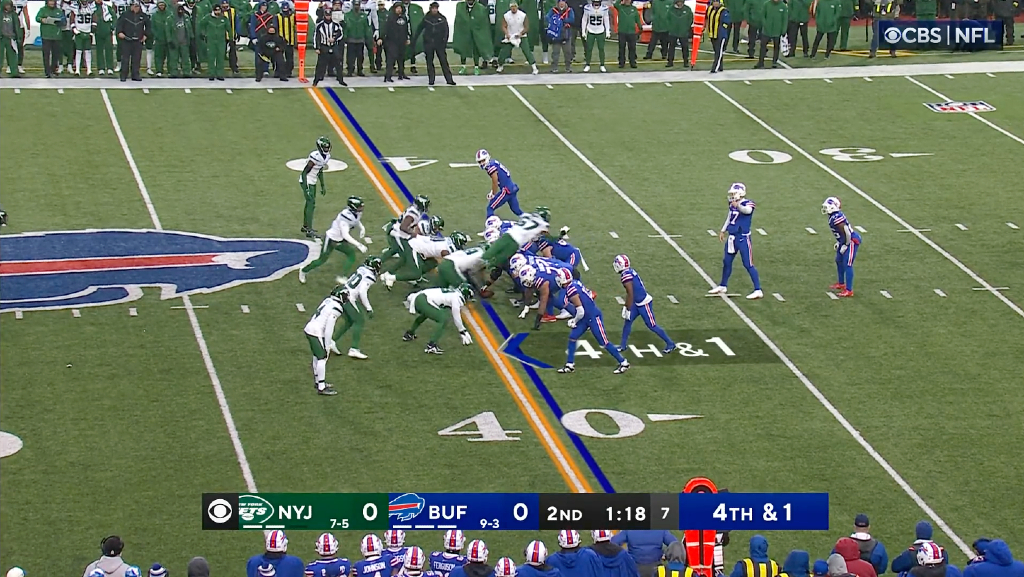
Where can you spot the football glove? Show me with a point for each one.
(625, 313)
(526, 311)
(572, 323)
(467, 339)
(361, 247)
(563, 232)
(490, 195)
(842, 249)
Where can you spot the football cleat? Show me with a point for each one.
(831, 204)
(568, 368)
(548, 319)
(568, 539)
(563, 315)
(371, 546)
(845, 293)
(536, 553)
(504, 568)
(838, 286)
(302, 276)
(620, 263)
(327, 391)
(755, 295)
(737, 191)
(395, 538)
(433, 349)
(477, 551)
(408, 336)
(667, 350)
(357, 354)
(454, 539)
(326, 545)
(718, 290)
(621, 368)
(389, 280)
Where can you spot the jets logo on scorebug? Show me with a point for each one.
(406, 506)
(253, 509)
(59, 270)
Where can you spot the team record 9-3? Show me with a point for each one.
(515, 511)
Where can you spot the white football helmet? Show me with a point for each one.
(326, 545)
(394, 538)
(831, 205)
(371, 546)
(620, 263)
(601, 535)
(493, 221)
(454, 539)
(504, 568)
(568, 539)
(737, 191)
(527, 275)
(929, 554)
(477, 551)
(276, 542)
(491, 235)
(415, 559)
(132, 571)
(563, 277)
(536, 553)
(517, 262)
(482, 157)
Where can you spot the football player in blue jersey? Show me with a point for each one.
(735, 234)
(560, 249)
(536, 562)
(505, 567)
(412, 566)
(539, 275)
(375, 562)
(476, 562)
(587, 316)
(847, 245)
(445, 561)
(276, 554)
(503, 190)
(394, 543)
(638, 303)
(328, 565)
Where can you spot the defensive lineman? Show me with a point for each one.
(461, 266)
(638, 303)
(318, 330)
(338, 238)
(408, 226)
(529, 228)
(356, 288)
(735, 234)
(428, 253)
(313, 173)
(503, 189)
(847, 245)
(430, 304)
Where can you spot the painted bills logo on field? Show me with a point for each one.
(953, 106)
(58, 270)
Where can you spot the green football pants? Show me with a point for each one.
(317, 347)
(308, 191)
(421, 266)
(506, 52)
(448, 275)
(429, 311)
(160, 54)
(215, 62)
(329, 247)
(104, 52)
(354, 320)
(588, 48)
(502, 250)
(406, 257)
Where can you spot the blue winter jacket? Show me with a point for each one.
(615, 562)
(578, 562)
(758, 554)
(644, 545)
(525, 570)
(286, 565)
(907, 560)
(999, 562)
(798, 564)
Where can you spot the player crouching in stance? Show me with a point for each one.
(399, 233)
(356, 287)
(462, 266)
(528, 228)
(430, 304)
(587, 316)
(428, 253)
(735, 234)
(328, 565)
(318, 330)
(847, 245)
(339, 238)
(639, 303)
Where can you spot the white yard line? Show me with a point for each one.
(973, 115)
(977, 278)
(225, 410)
(757, 330)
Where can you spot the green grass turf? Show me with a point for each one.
(930, 382)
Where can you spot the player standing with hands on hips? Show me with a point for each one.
(847, 245)
(735, 234)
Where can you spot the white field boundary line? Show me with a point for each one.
(757, 330)
(973, 115)
(225, 410)
(538, 423)
(906, 225)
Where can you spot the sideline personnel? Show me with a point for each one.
(718, 32)
(645, 547)
(132, 30)
(434, 28)
(758, 564)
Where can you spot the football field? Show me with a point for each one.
(152, 345)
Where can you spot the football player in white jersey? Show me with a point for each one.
(339, 238)
(81, 26)
(428, 253)
(431, 304)
(528, 228)
(21, 10)
(318, 332)
(149, 8)
(597, 26)
(408, 226)
(462, 266)
(313, 173)
(356, 287)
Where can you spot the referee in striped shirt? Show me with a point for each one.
(717, 25)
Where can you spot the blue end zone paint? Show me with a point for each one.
(606, 485)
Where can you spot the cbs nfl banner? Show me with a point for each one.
(954, 36)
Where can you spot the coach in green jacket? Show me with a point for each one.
(659, 27)
(753, 13)
(826, 23)
(50, 18)
(799, 14)
(680, 29)
(629, 28)
(847, 8)
(774, 22)
(737, 14)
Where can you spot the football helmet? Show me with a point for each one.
(563, 277)
(504, 568)
(517, 262)
(373, 263)
(544, 212)
(929, 554)
(536, 553)
(737, 191)
(323, 144)
(477, 551)
(568, 539)
(460, 240)
(601, 535)
(493, 221)
(339, 293)
(454, 540)
(276, 541)
(394, 538)
(414, 558)
(436, 224)
(620, 263)
(483, 157)
(467, 294)
(371, 545)
(326, 545)
(422, 203)
(491, 235)
(355, 203)
(527, 275)
(831, 205)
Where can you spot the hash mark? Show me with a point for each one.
(778, 297)
(885, 294)
(990, 75)
(300, 307)
(613, 234)
(960, 226)
(60, 91)
(762, 232)
(669, 84)
(133, 312)
(228, 90)
(17, 91)
(860, 229)
(145, 91)
(471, 89)
(811, 230)
(628, 85)
(590, 85)
(747, 82)
(550, 87)
(828, 81)
(950, 76)
(672, 299)
(188, 91)
(620, 300)
(351, 89)
(245, 309)
(868, 79)
(430, 88)
(940, 293)
(712, 233)
(19, 315)
(1013, 226)
(270, 91)
(76, 313)
(787, 82)
(832, 296)
(391, 89)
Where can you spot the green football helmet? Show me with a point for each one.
(436, 224)
(422, 203)
(339, 293)
(323, 144)
(460, 240)
(355, 203)
(544, 212)
(466, 291)
(373, 263)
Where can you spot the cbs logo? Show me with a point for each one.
(219, 511)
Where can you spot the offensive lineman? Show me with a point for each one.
(356, 288)
(338, 238)
(430, 304)
(313, 172)
(317, 332)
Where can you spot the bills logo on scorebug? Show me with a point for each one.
(963, 107)
(58, 270)
(406, 506)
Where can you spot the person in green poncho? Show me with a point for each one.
(847, 8)
(737, 11)
(358, 35)
(472, 37)
(774, 21)
(216, 27)
(799, 14)
(826, 23)
(754, 15)
(415, 14)
(659, 27)
(680, 29)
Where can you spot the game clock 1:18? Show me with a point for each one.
(626, 514)
(626, 511)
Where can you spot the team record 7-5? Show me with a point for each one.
(515, 511)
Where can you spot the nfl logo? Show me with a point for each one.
(963, 107)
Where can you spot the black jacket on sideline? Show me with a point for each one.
(396, 31)
(270, 44)
(434, 28)
(134, 25)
